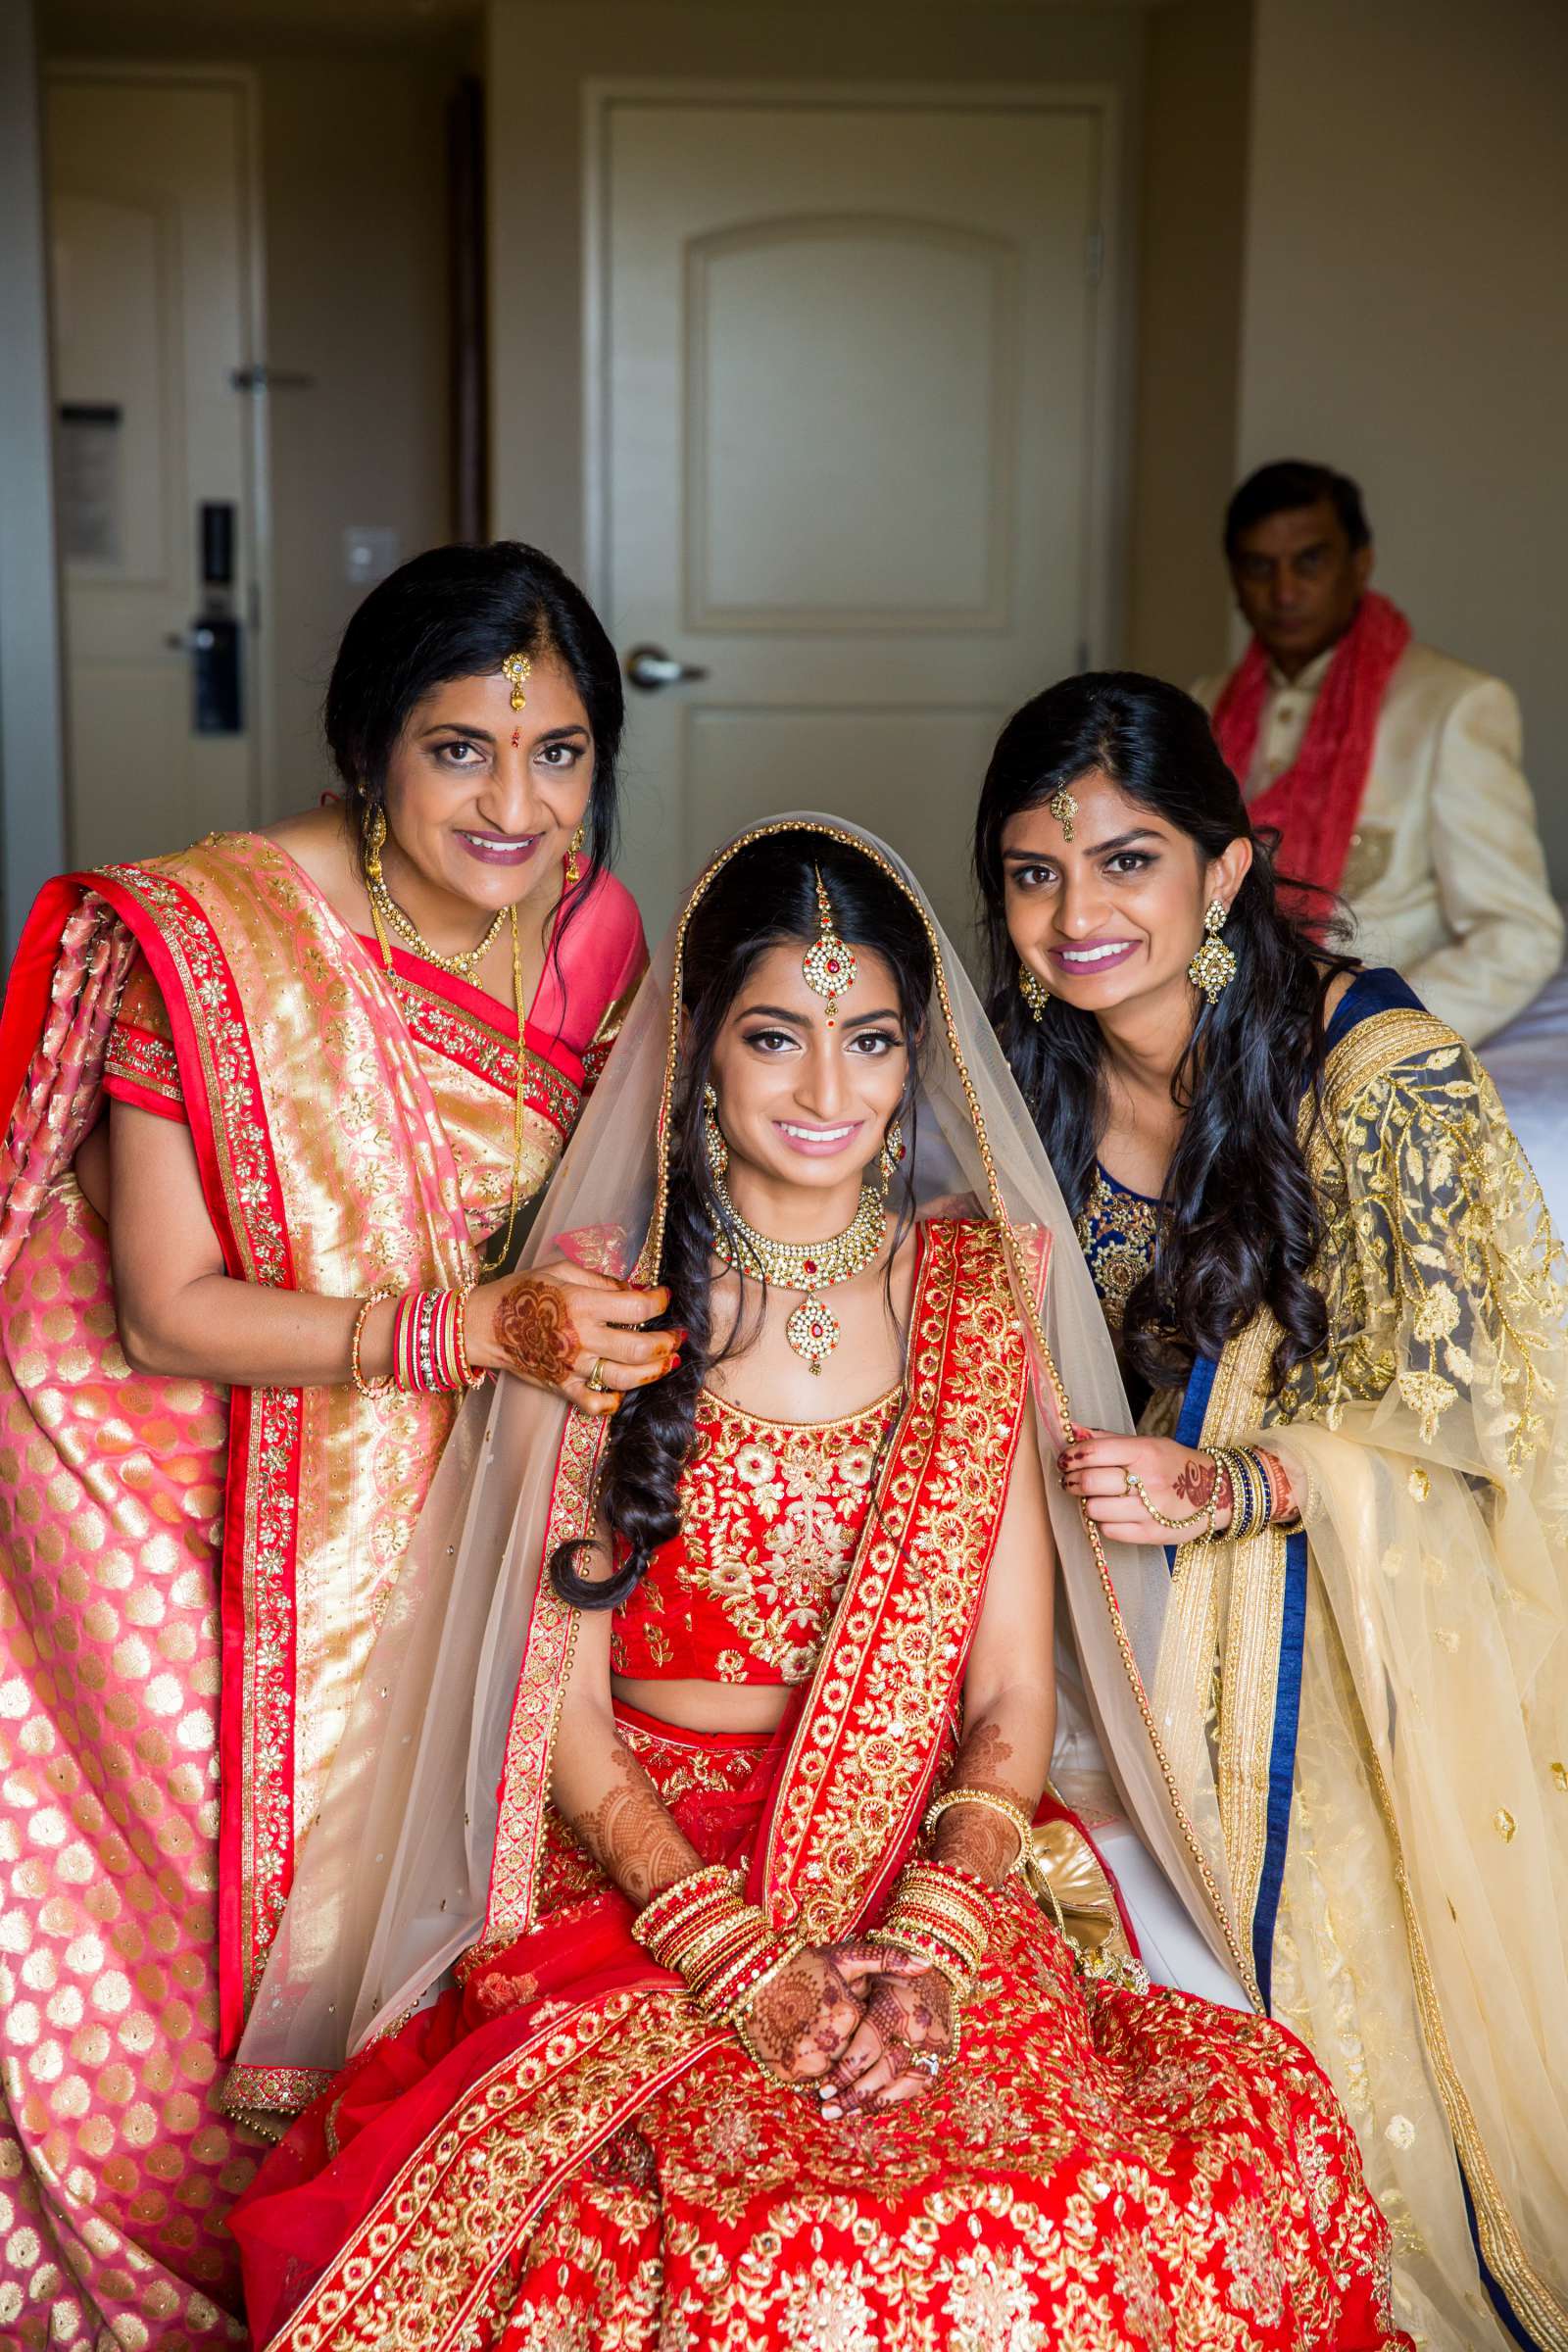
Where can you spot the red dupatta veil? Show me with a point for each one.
(429, 1842)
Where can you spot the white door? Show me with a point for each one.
(844, 455)
(152, 288)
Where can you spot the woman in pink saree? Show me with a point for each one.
(274, 1106)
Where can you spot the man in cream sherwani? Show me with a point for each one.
(1414, 757)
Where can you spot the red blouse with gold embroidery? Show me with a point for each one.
(771, 1514)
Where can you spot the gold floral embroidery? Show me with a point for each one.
(725, 2215)
(770, 1515)
(863, 1752)
(138, 1058)
(1440, 1269)
(1116, 1231)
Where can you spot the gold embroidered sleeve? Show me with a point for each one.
(1443, 1278)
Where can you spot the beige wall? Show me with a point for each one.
(353, 166)
(1192, 238)
(1405, 315)
(541, 52)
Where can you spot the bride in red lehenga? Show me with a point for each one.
(719, 1969)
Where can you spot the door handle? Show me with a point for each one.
(651, 668)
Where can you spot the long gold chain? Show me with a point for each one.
(490, 1264)
(812, 1330)
(462, 966)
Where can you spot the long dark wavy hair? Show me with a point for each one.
(1241, 1225)
(765, 898)
(457, 613)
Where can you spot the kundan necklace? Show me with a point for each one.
(812, 1331)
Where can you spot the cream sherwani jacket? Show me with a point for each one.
(1445, 876)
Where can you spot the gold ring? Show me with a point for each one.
(596, 1374)
(1128, 1482)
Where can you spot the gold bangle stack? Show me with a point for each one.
(940, 1914)
(704, 1929)
(991, 1800)
(1252, 1490)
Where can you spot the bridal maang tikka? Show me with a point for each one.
(828, 965)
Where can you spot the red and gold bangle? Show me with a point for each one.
(705, 1929)
(428, 1350)
(662, 1921)
(942, 1914)
(387, 1381)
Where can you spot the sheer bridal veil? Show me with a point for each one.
(392, 1875)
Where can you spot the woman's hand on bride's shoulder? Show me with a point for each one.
(565, 1327)
(1105, 1471)
(800, 2020)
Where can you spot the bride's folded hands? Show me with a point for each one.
(566, 1327)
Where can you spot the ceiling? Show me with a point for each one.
(212, 26)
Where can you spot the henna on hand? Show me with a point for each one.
(1194, 1482)
(1280, 1480)
(971, 1837)
(535, 1333)
(630, 1834)
(802, 2018)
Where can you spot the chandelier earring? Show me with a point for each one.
(891, 1154)
(372, 835)
(1034, 992)
(713, 1143)
(1214, 967)
(573, 853)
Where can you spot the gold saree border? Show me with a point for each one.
(869, 1734)
(417, 2272)
(1239, 1407)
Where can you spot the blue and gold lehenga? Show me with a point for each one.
(1383, 1695)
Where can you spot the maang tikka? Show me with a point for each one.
(828, 964)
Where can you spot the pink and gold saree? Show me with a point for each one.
(192, 1576)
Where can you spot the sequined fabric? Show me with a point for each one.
(117, 2169)
(770, 1515)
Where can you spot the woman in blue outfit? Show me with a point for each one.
(1340, 1311)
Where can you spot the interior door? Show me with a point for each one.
(845, 454)
(151, 291)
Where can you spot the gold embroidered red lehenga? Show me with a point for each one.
(191, 1577)
(562, 2151)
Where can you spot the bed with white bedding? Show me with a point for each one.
(1529, 1064)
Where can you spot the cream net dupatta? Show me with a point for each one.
(394, 1873)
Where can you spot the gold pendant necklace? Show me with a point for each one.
(812, 1330)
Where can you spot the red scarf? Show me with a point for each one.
(1314, 805)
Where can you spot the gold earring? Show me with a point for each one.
(1214, 967)
(891, 1154)
(713, 1134)
(573, 853)
(1034, 992)
(372, 834)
